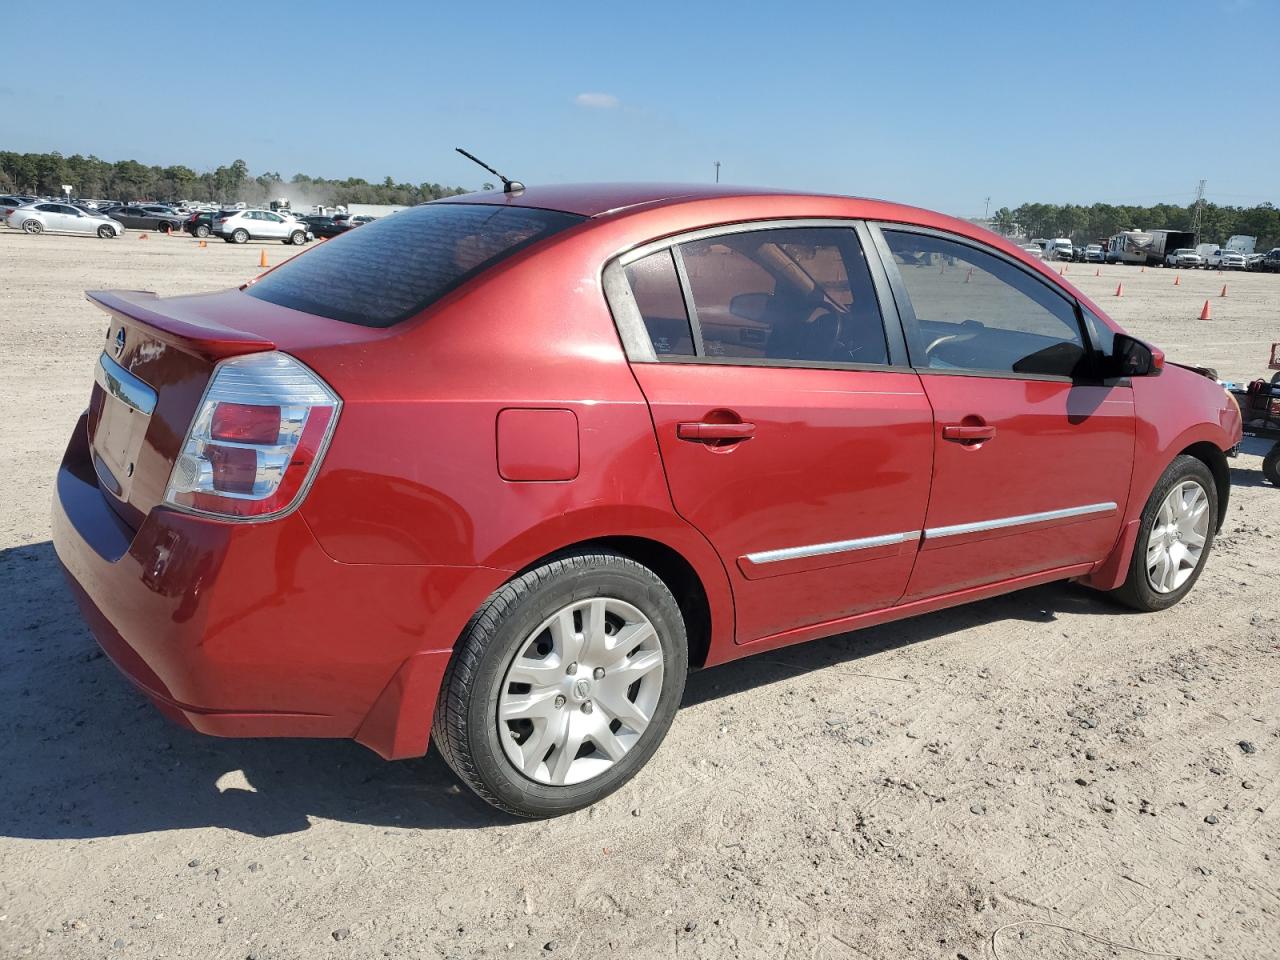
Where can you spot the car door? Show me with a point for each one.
(792, 432)
(76, 220)
(273, 225)
(54, 219)
(1032, 454)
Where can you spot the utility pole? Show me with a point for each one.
(1197, 211)
(986, 210)
(717, 171)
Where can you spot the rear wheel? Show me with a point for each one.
(1271, 463)
(240, 236)
(563, 684)
(32, 226)
(202, 231)
(1174, 537)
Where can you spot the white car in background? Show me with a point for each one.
(241, 226)
(1093, 253)
(1230, 260)
(1033, 250)
(47, 216)
(1184, 257)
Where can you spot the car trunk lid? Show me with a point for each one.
(155, 366)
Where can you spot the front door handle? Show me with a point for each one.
(712, 432)
(962, 433)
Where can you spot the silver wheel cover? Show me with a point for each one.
(1175, 545)
(580, 691)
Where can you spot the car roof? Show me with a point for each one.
(598, 199)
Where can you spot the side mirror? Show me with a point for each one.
(1133, 358)
(750, 306)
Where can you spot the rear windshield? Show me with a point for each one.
(390, 269)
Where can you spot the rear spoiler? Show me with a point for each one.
(196, 335)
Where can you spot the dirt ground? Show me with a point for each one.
(1004, 780)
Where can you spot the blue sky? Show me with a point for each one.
(938, 104)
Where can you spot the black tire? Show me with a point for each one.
(1136, 591)
(201, 232)
(106, 233)
(465, 730)
(297, 238)
(32, 226)
(1271, 463)
(240, 235)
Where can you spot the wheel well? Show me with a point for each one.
(676, 572)
(1216, 461)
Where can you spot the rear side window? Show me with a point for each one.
(393, 268)
(656, 289)
(977, 311)
(793, 294)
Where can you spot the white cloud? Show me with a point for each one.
(597, 101)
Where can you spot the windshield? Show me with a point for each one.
(394, 267)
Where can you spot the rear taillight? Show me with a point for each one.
(256, 441)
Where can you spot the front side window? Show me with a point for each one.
(803, 295)
(977, 311)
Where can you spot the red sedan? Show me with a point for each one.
(504, 467)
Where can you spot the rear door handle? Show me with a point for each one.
(967, 434)
(710, 432)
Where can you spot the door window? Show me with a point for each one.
(656, 289)
(977, 311)
(794, 294)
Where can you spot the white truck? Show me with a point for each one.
(1059, 248)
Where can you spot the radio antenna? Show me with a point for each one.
(508, 186)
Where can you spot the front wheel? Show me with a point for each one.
(297, 238)
(563, 684)
(240, 236)
(106, 233)
(1174, 537)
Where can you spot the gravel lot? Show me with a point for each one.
(1040, 759)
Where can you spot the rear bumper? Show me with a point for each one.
(251, 629)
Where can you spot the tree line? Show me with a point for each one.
(44, 174)
(1101, 220)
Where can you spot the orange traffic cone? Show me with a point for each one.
(969, 276)
(1177, 281)
(1144, 269)
(1207, 312)
(1119, 289)
(1064, 269)
(1224, 291)
(142, 236)
(1098, 272)
(203, 244)
(262, 260)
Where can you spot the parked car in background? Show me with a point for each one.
(1184, 257)
(141, 218)
(199, 224)
(49, 217)
(1033, 250)
(240, 226)
(11, 202)
(354, 498)
(346, 221)
(1271, 262)
(1228, 260)
(1254, 261)
(1093, 253)
(321, 226)
(1060, 248)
